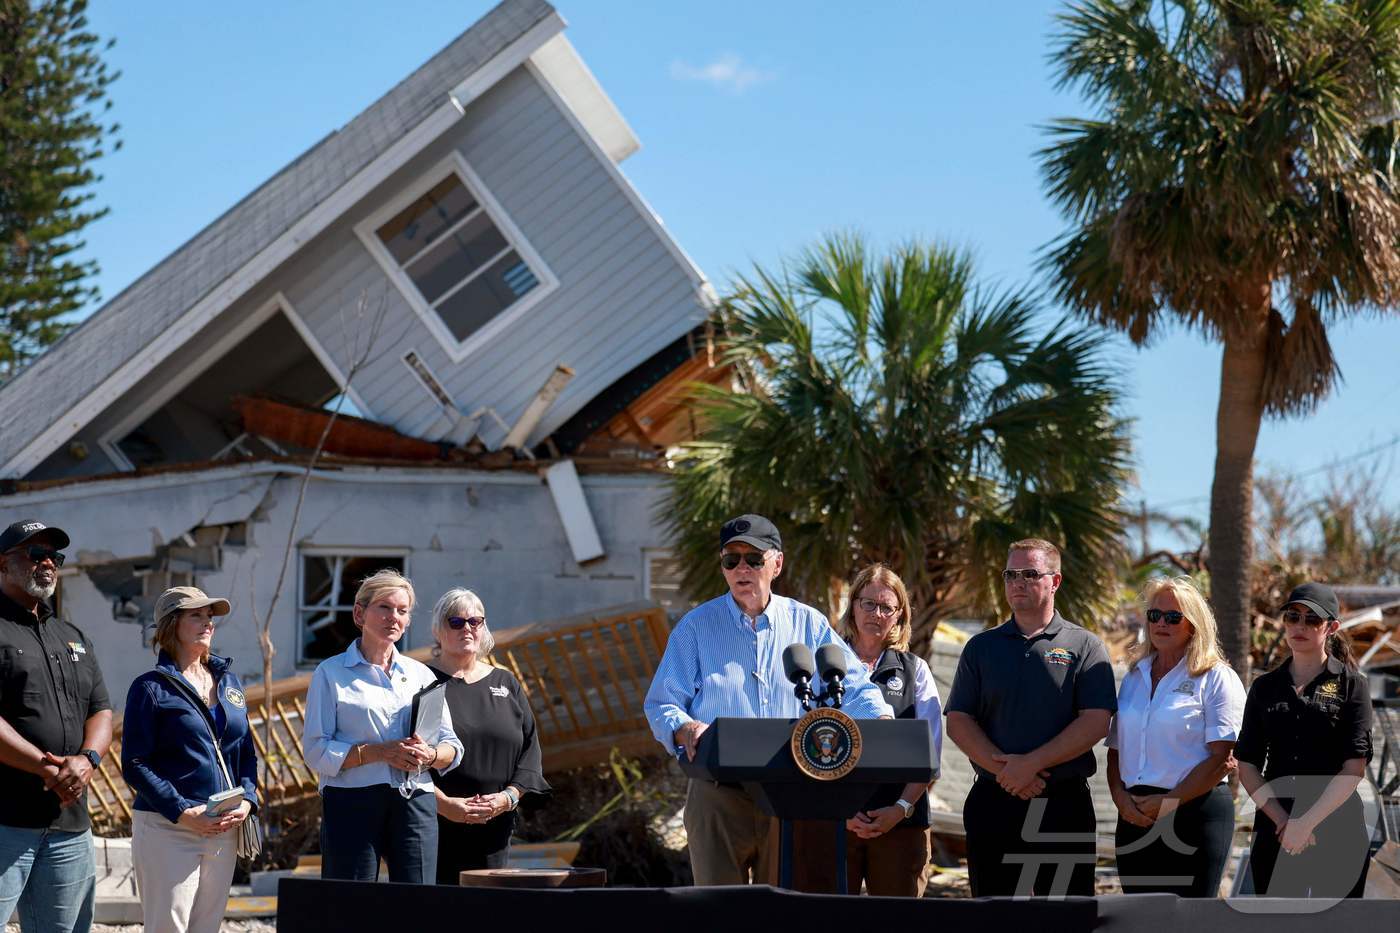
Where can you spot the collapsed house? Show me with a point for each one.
(464, 269)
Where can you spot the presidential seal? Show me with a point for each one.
(826, 744)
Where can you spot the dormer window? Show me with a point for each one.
(456, 258)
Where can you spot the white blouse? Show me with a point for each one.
(1160, 737)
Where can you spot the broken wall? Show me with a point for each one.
(225, 530)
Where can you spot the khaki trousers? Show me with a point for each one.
(891, 865)
(182, 878)
(727, 835)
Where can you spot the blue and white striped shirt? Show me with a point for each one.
(716, 664)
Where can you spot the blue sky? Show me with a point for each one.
(762, 127)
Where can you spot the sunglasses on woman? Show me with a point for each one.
(1169, 616)
(458, 622)
(753, 559)
(1299, 617)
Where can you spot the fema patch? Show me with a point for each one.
(826, 744)
(1061, 656)
(895, 684)
(235, 696)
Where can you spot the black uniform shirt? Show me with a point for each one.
(50, 686)
(1286, 734)
(1025, 691)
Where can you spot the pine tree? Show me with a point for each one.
(53, 106)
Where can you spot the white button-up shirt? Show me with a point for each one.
(1160, 737)
(351, 701)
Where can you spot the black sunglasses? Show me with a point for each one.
(1298, 617)
(1169, 616)
(731, 560)
(37, 552)
(1030, 574)
(457, 622)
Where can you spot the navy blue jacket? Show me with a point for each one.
(167, 754)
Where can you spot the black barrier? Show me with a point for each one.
(305, 904)
(308, 904)
(1167, 913)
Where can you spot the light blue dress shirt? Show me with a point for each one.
(717, 664)
(351, 701)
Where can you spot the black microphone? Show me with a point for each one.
(831, 661)
(799, 667)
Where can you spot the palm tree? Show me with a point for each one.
(895, 413)
(1239, 176)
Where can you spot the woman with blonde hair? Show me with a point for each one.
(887, 843)
(376, 802)
(1179, 713)
(476, 803)
(187, 741)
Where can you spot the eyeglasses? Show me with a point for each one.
(38, 552)
(877, 608)
(457, 622)
(1298, 617)
(1030, 574)
(753, 559)
(1169, 616)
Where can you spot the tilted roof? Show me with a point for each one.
(87, 356)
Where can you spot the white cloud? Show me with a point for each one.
(728, 72)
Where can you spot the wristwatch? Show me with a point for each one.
(906, 806)
(91, 756)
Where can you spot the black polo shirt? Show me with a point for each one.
(1285, 733)
(50, 685)
(1024, 691)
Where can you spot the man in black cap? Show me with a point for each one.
(55, 726)
(724, 658)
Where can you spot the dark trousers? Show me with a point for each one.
(1043, 846)
(361, 825)
(1184, 853)
(1333, 868)
(472, 846)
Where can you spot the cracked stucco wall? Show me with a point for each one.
(495, 533)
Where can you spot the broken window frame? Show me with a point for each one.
(342, 591)
(673, 600)
(457, 350)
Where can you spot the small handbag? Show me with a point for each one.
(250, 830)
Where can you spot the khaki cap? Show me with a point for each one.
(189, 597)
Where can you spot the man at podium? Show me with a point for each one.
(724, 658)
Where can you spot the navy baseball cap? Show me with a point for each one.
(22, 531)
(753, 530)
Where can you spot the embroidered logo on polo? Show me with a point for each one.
(235, 696)
(1061, 656)
(1330, 690)
(895, 685)
(499, 691)
(1186, 687)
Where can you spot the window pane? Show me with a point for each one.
(456, 257)
(425, 219)
(487, 295)
(327, 615)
